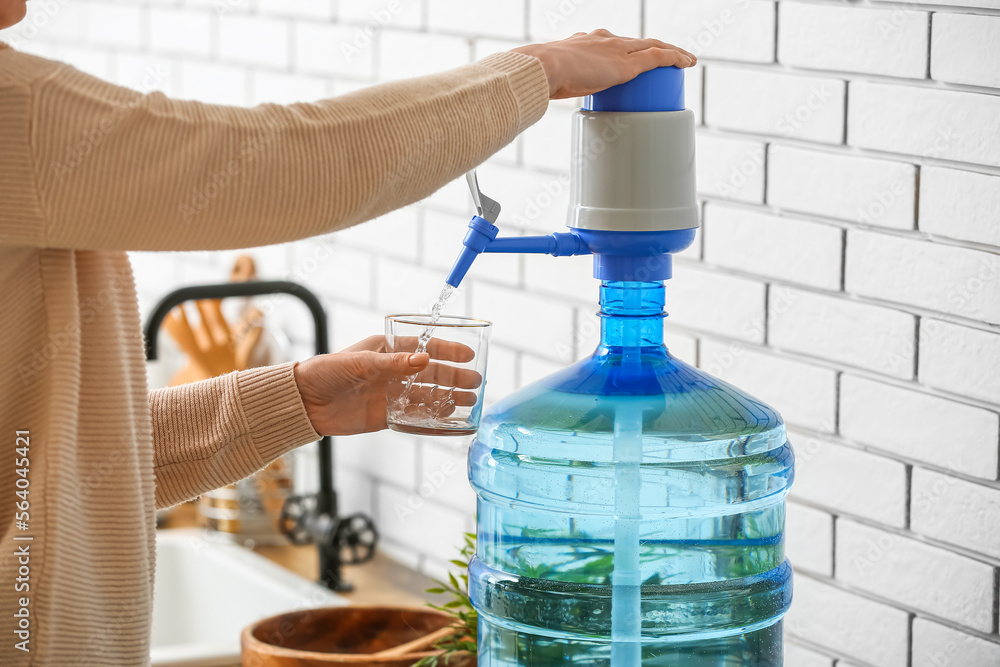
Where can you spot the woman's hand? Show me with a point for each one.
(345, 393)
(589, 62)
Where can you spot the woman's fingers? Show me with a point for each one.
(450, 376)
(447, 350)
(395, 363)
(438, 348)
(442, 375)
(648, 43)
(643, 61)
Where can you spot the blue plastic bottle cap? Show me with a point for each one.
(660, 89)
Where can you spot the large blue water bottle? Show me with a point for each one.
(631, 507)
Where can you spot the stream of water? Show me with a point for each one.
(400, 403)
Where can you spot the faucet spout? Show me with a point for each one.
(482, 237)
(481, 233)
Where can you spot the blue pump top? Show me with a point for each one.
(660, 89)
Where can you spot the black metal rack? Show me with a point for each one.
(304, 519)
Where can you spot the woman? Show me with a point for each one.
(88, 171)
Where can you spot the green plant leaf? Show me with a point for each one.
(459, 607)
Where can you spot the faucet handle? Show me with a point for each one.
(486, 208)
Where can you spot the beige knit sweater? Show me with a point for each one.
(88, 171)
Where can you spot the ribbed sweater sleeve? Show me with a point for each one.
(118, 170)
(212, 433)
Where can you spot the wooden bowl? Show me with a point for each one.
(347, 635)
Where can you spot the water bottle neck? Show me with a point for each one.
(631, 314)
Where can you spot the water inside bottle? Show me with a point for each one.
(631, 511)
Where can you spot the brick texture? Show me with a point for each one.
(963, 46)
(917, 575)
(853, 39)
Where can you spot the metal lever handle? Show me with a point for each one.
(486, 208)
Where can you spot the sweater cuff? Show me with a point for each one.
(274, 411)
(527, 81)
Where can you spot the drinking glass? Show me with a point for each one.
(446, 398)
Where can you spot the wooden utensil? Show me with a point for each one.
(213, 347)
(417, 645)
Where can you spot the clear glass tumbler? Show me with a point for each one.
(446, 398)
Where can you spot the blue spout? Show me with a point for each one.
(481, 233)
(482, 237)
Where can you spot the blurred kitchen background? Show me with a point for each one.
(847, 271)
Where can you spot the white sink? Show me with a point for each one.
(208, 590)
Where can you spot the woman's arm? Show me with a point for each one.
(90, 165)
(212, 433)
(116, 169)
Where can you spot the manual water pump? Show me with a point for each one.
(632, 186)
(630, 506)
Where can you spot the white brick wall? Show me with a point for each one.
(945, 278)
(764, 102)
(960, 204)
(740, 30)
(966, 49)
(848, 624)
(254, 40)
(741, 303)
(853, 39)
(956, 511)
(773, 246)
(476, 19)
(935, 645)
(332, 50)
(849, 332)
(180, 31)
(848, 187)
(919, 426)
(112, 24)
(915, 574)
(798, 656)
(396, 51)
(809, 542)
(848, 272)
(730, 168)
(397, 13)
(960, 359)
(951, 125)
(849, 480)
(318, 9)
(556, 19)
